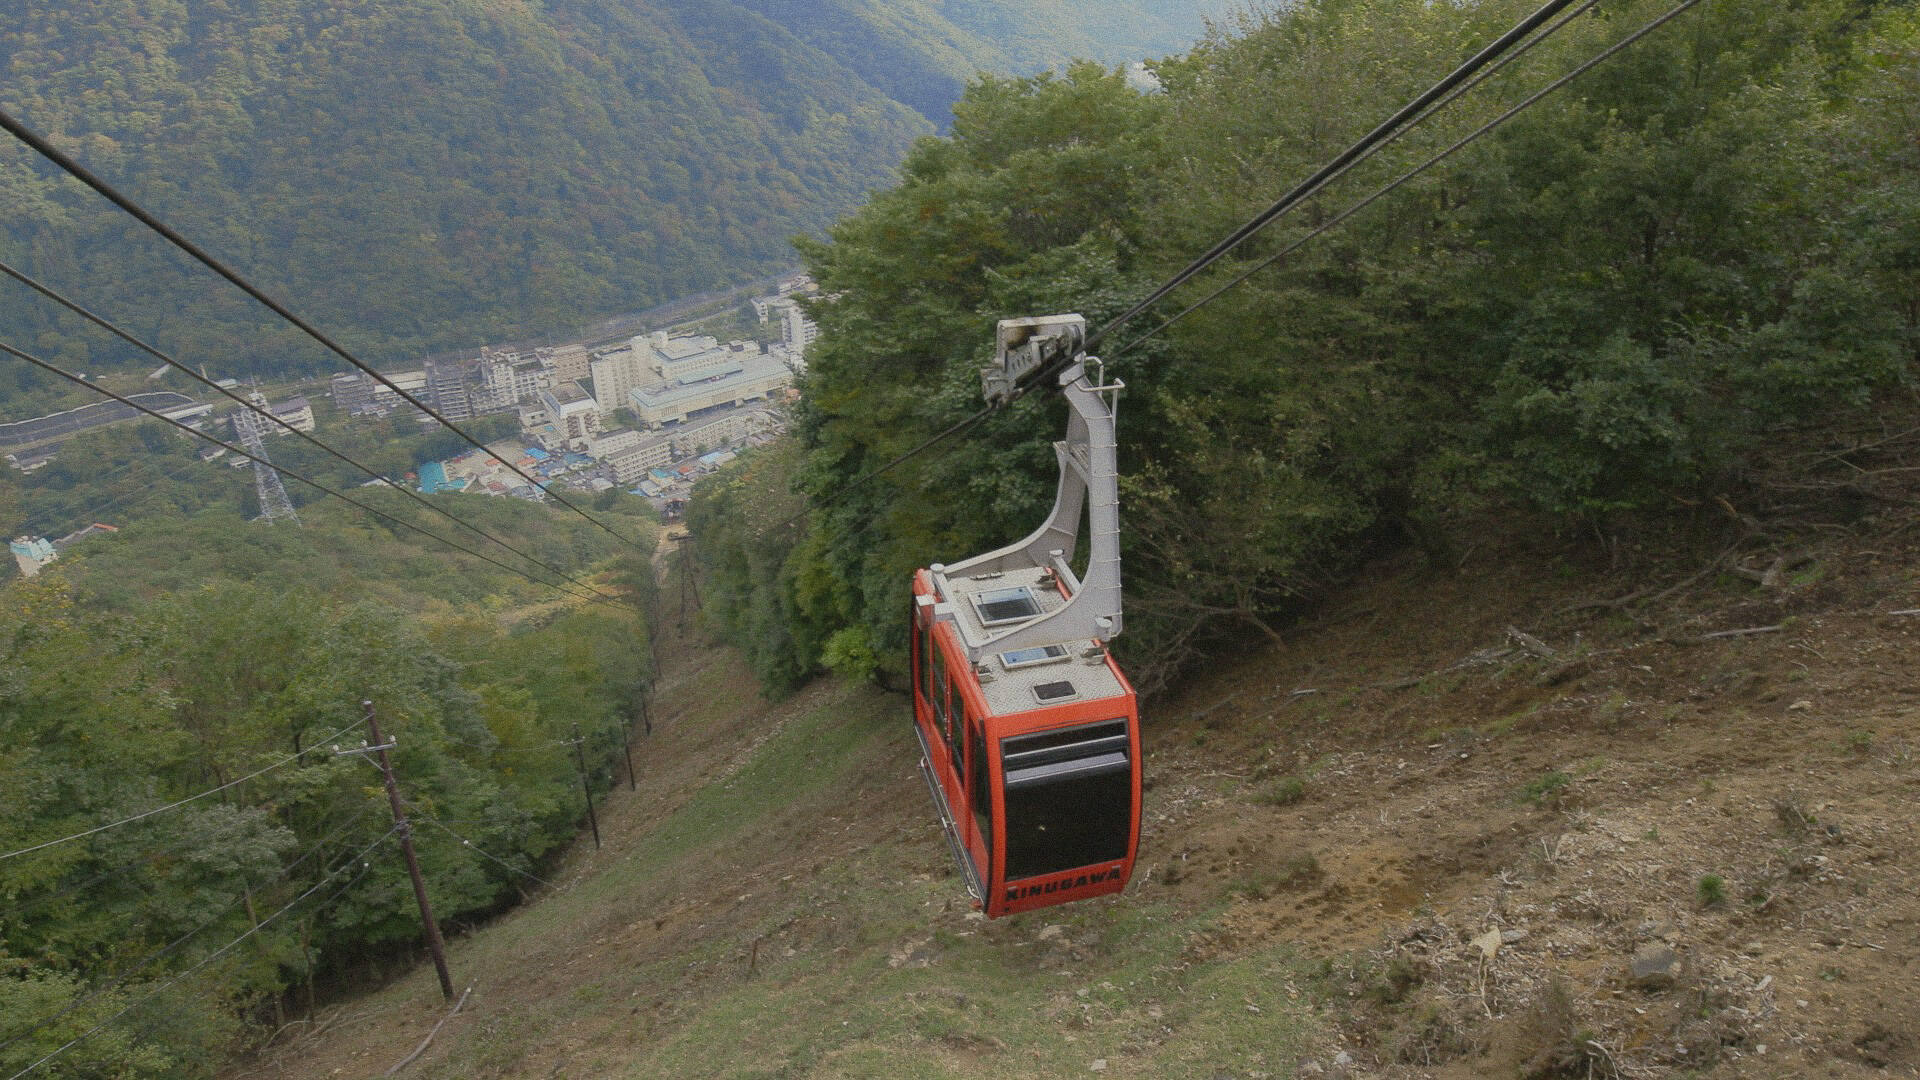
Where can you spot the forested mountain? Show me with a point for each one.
(425, 174)
(1609, 306)
(182, 656)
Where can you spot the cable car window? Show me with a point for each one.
(998, 607)
(927, 650)
(954, 736)
(937, 696)
(979, 793)
(1025, 658)
(1069, 798)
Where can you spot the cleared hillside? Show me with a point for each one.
(1430, 837)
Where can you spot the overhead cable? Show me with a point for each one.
(283, 470)
(127, 975)
(470, 845)
(289, 759)
(100, 321)
(1387, 128)
(221, 951)
(1412, 174)
(81, 173)
(1510, 46)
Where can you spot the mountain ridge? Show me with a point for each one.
(432, 175)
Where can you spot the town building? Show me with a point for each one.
(32, 553)
(296, 412)
(747, 378)
(573, 420)
(447, 388)
(630, 465)
(352, 392)
(615, 373)
(797, 331)
(570, 363)
(613, 441)
(718, 428)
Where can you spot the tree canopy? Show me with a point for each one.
(1605, 305)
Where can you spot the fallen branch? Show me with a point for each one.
(1740, 633)
(428, 1041)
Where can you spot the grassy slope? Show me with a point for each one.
(775, 902)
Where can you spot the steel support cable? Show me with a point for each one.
(223, 444)
(81, 173)
(1417, 171)
(289, 759)
(221, 951)
(1510, 47)
(1387, 128)
(104, 324)
(1058, 363)
(168, 949)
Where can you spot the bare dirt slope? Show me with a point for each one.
(1465, 824)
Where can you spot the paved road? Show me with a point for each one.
(62, 424)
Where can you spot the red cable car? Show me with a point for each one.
(1029, 732)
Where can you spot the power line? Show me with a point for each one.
(176, 805)
(85, 176)
(476, 849)
(170, 947)
(221, 951)
(383, 515)
(103, 323)
(1414, 173)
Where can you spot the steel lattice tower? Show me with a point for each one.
(274, 503)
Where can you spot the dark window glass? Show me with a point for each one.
(942, 717)
(980, 792)
(926, 662)
(954, 736)
(1069, 798)
(1054, 691)
(1006, 605)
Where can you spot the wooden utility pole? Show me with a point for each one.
(434, 944)
(580, 755)
(626, 744)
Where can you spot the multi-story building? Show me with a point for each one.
(745, 379)
(530, 376)
(447, 388)
(613, 441)
(797, 331)
(615, 373)
(630, 466)
(296, 412)
(573, 416)
(352, 392)
(688, 359)
(570, 363)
